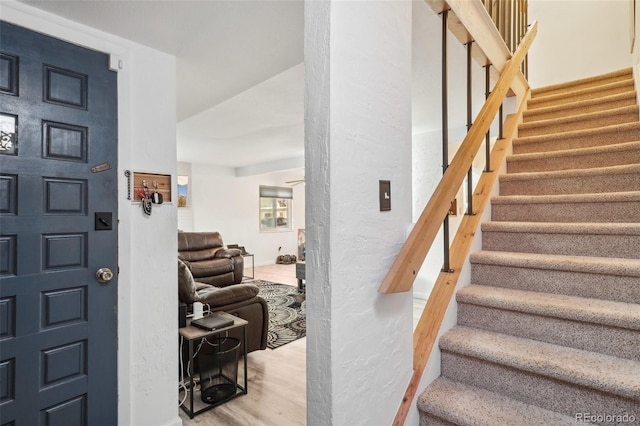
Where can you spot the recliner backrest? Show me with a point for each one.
(198, 246)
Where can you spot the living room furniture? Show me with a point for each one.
(301, 276)
(208, 260)
(194, 335)
(253, 265)
(240, 300)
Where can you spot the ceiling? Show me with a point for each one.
(239, 70)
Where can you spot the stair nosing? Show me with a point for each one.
(542, 98)
(621, 169)
(574, 134)
(572, 308)
(625, 72)
(529, 115)
(579, 117)
(584, 264)
(576, 152)
(578, 228)
(562, 363)
(603, 197)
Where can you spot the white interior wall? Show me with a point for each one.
(358, 131)
(223, 202)
(147, 297)
(578, 39)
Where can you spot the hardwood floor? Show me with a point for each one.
(283, 274)
(276, 379)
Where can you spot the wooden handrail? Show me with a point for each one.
(405, 268)
(426, 332)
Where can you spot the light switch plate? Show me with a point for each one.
(385, 195)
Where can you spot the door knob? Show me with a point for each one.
(104, 274)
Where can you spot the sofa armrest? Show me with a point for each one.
(227, 253)
(215, 296)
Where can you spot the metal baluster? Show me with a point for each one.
(487, 139)
(469, 123)
(445, 135)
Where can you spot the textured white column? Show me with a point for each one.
(358, 131)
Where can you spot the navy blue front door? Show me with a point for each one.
(58, 226)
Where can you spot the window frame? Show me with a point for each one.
(274, 203)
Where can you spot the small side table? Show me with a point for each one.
(301, 276)
(253, 265)
(192, 334)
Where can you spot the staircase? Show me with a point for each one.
(548, 330)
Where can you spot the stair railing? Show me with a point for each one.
(405, 268)
(510, 18)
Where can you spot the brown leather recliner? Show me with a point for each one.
(211, 274)
(208, 260)
(240, 300)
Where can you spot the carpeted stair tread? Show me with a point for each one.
(590, 157)
(601, 90)
(621, 178)
(586, 264)
(607, 135)
(596, 325)
(581, 239)
(617, 75)
(618, 207)
(604, 312)
(617, 376)
(550, 319)
(580, 107)
(480, 407)
(584, 121)
(613, 279)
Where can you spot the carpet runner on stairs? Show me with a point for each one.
(549, 328)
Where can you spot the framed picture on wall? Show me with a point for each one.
(183, 190)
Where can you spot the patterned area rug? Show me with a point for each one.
(287, 312)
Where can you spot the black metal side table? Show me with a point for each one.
(253, 265)
(301, 276)
(192, 334)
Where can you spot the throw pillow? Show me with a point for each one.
(186, 284)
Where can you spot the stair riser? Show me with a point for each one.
(571, 110)
(590, 83)
(572, 185)
(591, 123)
(604, 339)
(595, 245)
(562, 142)
(582, 284)
(603, 212)
(548, 393)
(541, 101)
(589, 161)
(583, 134)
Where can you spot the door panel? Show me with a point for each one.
(58, 117)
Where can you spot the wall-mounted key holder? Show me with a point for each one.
(158, 187)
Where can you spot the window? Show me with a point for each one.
(275, 208)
